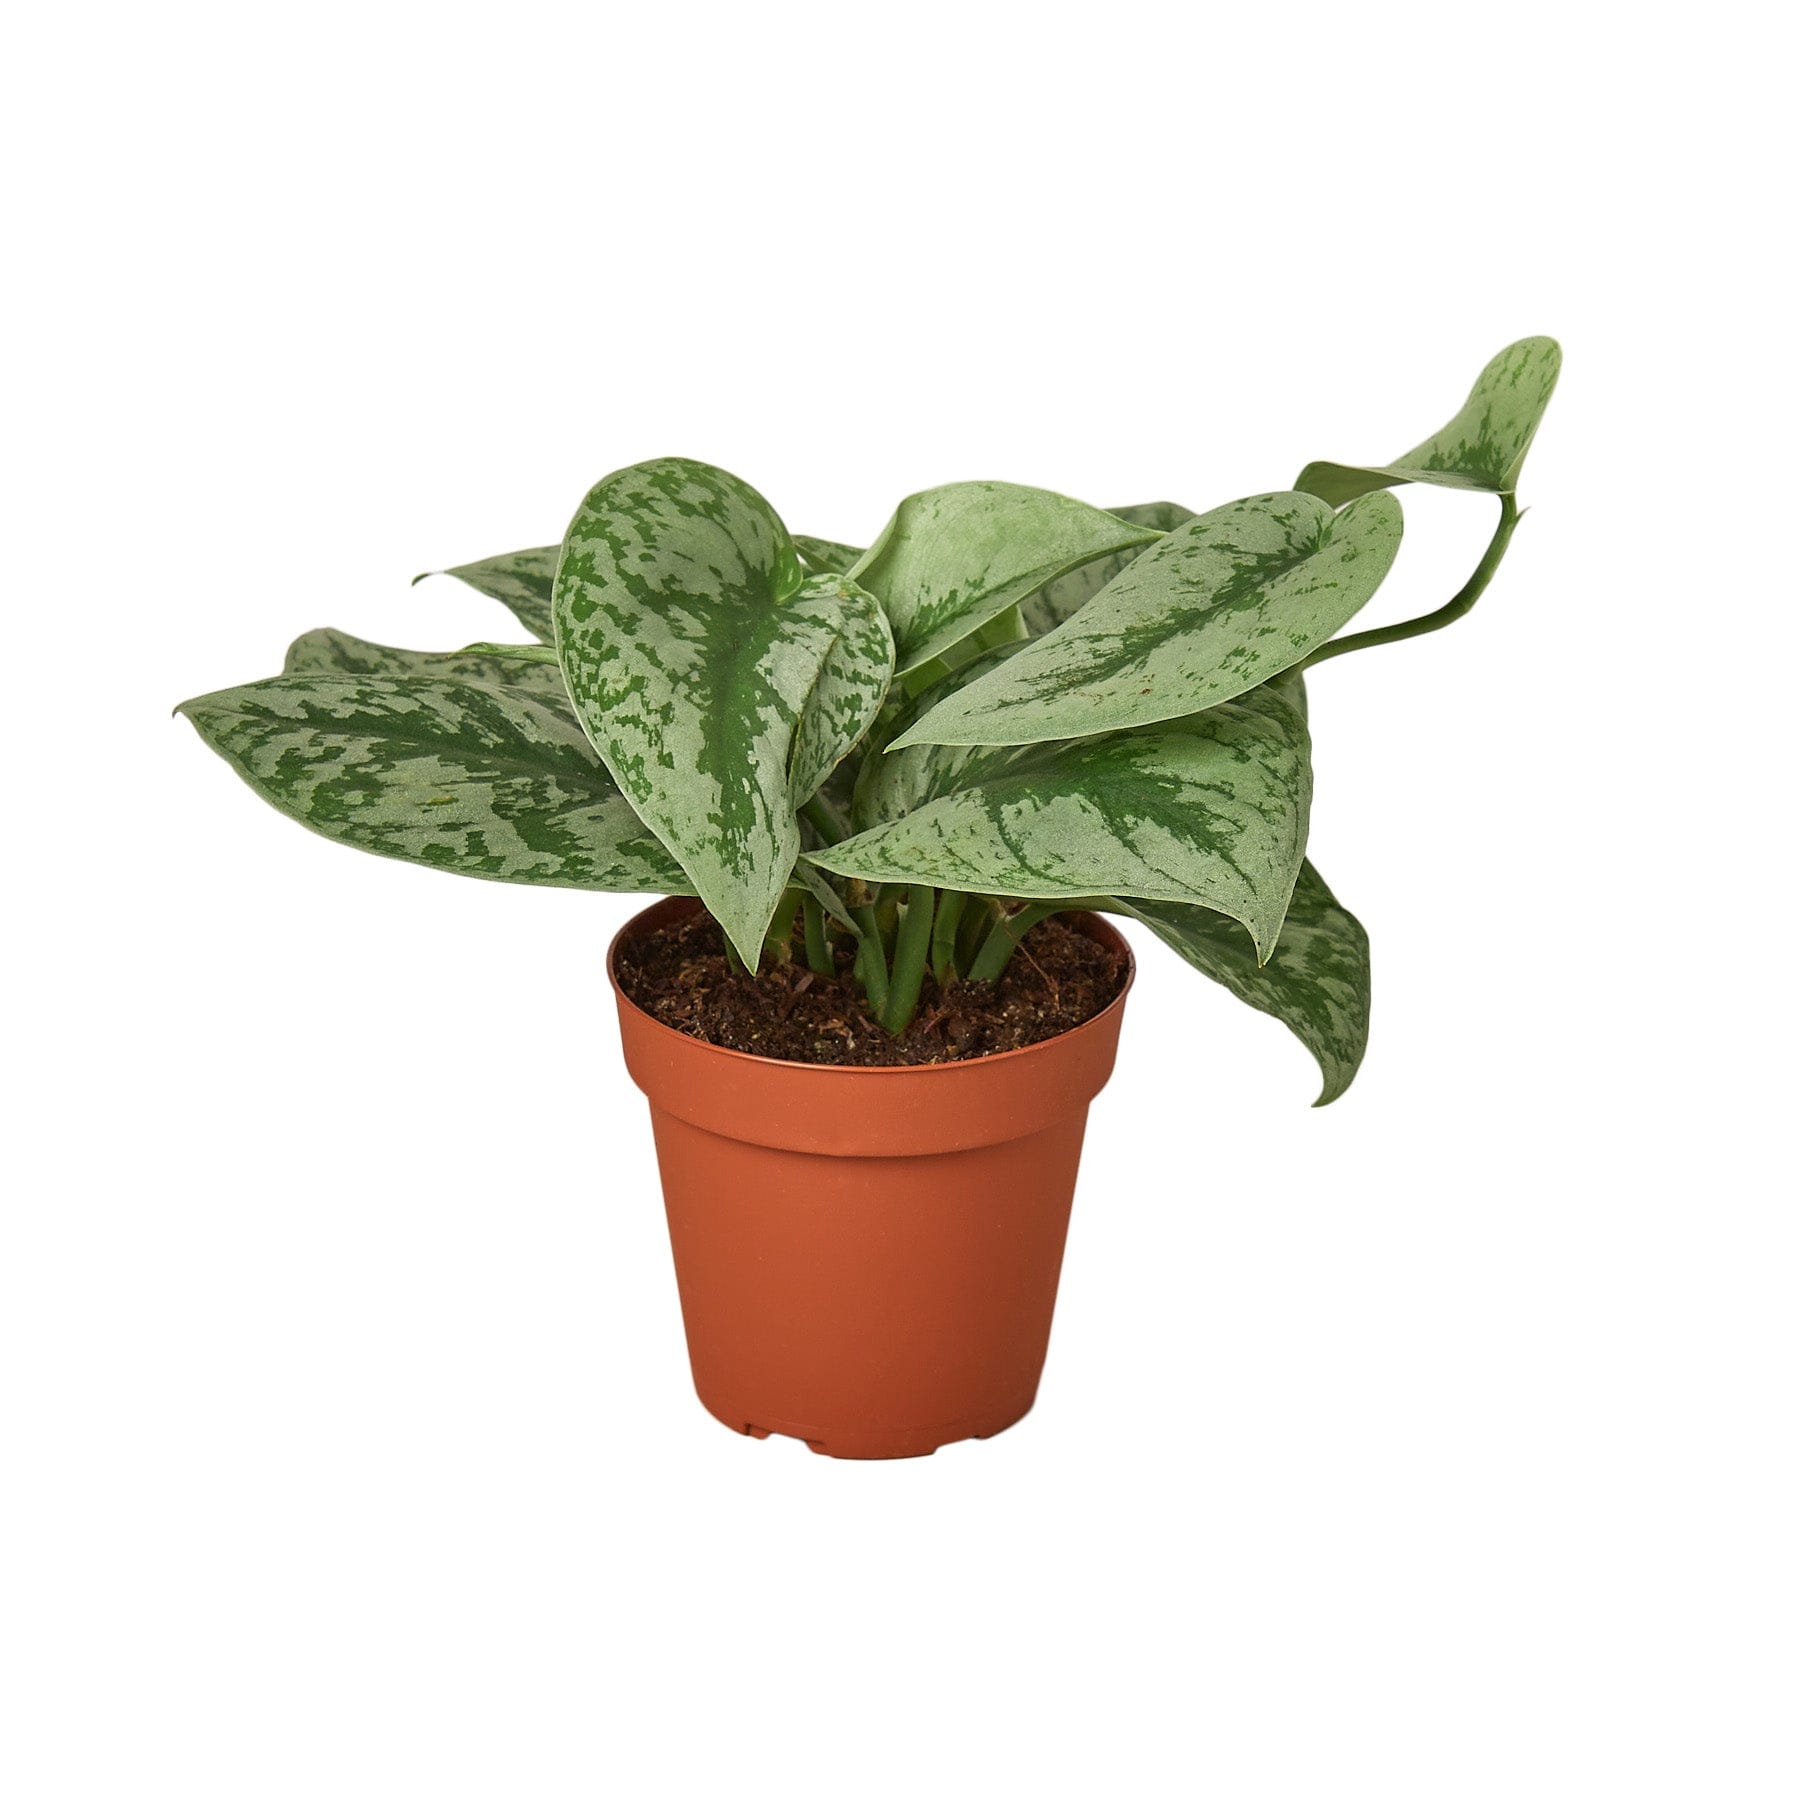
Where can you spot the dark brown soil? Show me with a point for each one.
(1058, 978)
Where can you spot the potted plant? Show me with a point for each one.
(889, 795)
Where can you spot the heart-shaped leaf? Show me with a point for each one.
(719, 684)
(1316, 982)
(1064, 597)
(480, 780)
(328, 652)
(1219, 606)
(520, 580)
(1482, 448)
(1209, 810)
(954, 557)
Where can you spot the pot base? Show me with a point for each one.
(876, 1446)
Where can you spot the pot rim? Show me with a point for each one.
(947, 1067)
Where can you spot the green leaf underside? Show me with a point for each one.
(954, 557)
(715, 679)
(1209, 810)
(1316, 982)
(1482, 448)
(520, 580)
(1217, 607)
(328, 652)
(480, 780)
(1064, 597)
(820, 556)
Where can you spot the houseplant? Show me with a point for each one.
(879, 772)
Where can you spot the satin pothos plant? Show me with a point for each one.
(1008, 705)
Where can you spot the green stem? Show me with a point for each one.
(943, 935)
(822, 816)
(887, 918)
(1005, 937)
(1449, 612)
(818, 946)
(871, 961)
(912, 947)
(974, 927)
(778, 941)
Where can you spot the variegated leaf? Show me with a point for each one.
(889, 786)
(1482, 448)
(481, 780)
(520, 581)
(328, 652)
(1316, 983)
(1209, 810)
(718, 683)
(820, 556)
(1215, 608)
(1068, 594)
(954, 557)
(851, 684)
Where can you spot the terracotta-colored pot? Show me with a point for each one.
(867, 1258)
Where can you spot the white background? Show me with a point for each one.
(1438, 1444)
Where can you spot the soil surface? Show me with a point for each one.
(1057, 979)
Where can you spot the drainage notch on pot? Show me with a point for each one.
(867, 1258)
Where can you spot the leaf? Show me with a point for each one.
(889, 786)
(480, 780)
(850, 686)
(715, 680)
(544, 655)
(520, 581)
(1004, 628)
(1482, 448)
(953, 557)
(330, 652)
(820, 556)
(827, 896)
(1068, 594)
(1210, 810)
(1316, 982)
(1215, 608)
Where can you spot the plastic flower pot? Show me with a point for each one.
(867, 1258)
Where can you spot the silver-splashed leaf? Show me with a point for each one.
(820, 556)
(1208, 810)
(954, 557)
(328, 652)
(1219, 606)
(1316, 982)
(713, 677)
(1482, 448)
(1064, 597)
(480, 780)
(520, 580)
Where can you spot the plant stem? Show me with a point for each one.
(974, 927)
(1446, 614)
(871, 960)
(818, 946)
(819, 813)
(912, 948)
(1005, 936)
(778, 942)
(943, 935)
